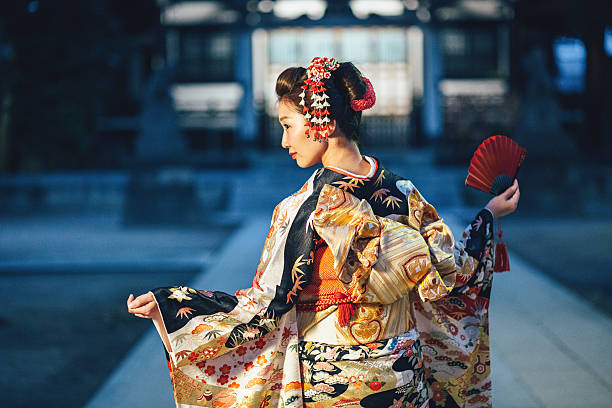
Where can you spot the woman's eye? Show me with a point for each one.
(286, 126)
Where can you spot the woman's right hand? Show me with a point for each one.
(506, 202)
(143, 306)
(146, 307)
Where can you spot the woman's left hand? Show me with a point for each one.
(143, 306)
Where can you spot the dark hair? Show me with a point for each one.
(344, 85)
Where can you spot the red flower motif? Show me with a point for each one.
(225, 369)
(241, 351)
(193, 356)
(248, 365)
(438, 396)
(286, 333)
(210, 370)
(223, 379)
(260, 343)
(201, 364)
(375, 385)
(453, 329)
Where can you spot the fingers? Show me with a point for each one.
(515, 197)
(140, 301)
(142, 308)
(129, 300)
(510, 190)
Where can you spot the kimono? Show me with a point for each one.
(362, 298)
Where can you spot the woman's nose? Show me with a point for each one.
(284, 143)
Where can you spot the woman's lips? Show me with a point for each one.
(293, 155)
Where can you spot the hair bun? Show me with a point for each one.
(348, 81)
(368, 100)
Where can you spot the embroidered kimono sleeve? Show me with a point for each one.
(210, 323)
(424, 218)
(475, 245)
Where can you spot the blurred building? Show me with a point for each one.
(446, 72)
(229, 54)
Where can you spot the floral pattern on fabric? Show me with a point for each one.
(335, 376)
(264, 373)
(454, 331)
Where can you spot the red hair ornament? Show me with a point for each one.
(368, 100)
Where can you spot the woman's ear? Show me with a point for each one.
(331, 126)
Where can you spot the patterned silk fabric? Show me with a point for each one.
(418, 334)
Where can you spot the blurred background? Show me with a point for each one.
(137, 136)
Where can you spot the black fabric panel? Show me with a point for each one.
(482, 231)
(202, 303)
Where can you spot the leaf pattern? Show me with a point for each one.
(184, 312)
(477, 223)
(378, 194)
(380, 178)
(296, 268)
(179, 339)
(345, 185)
(296, 286)
(182, 353)
(349, 185)
(212, 334)
(392, 201)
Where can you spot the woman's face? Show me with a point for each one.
(306, 151)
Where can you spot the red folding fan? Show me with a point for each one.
(495, 164)
(493, 169)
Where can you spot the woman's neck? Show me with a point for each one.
(344, 154)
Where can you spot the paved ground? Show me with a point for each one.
(127, 387)
(574, 251)
(64, 281)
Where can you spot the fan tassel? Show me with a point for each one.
(345, 310)
(502, 262)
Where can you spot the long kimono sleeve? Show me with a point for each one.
(455, 330)
(474, 247)
(423, 217)
(229, 349)
(207, 324)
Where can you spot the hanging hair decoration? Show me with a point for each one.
(368, 100)
(317, 116)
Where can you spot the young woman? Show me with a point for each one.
(341, 311)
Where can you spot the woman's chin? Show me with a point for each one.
(303, 164)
